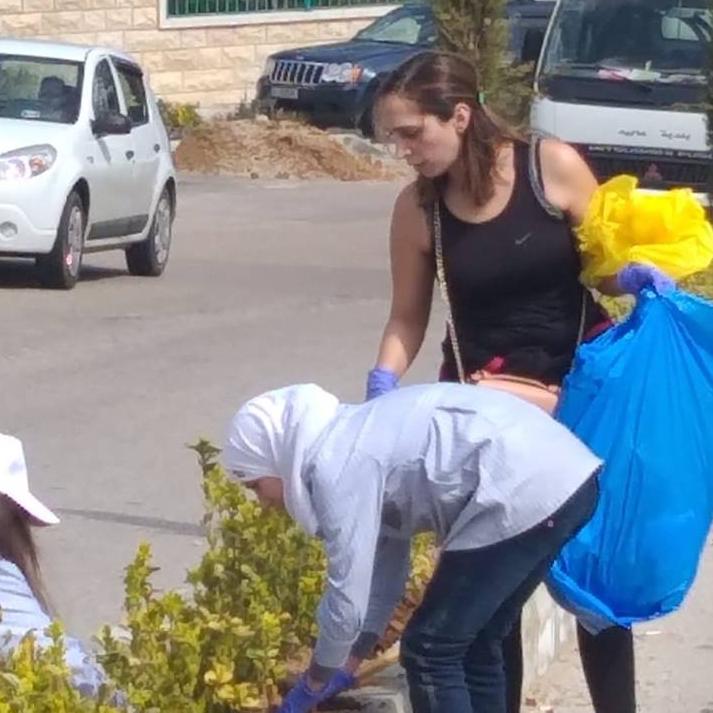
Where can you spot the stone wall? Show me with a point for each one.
(207, 61)
(546, 628)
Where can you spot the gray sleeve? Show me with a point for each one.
(391, 569)
(350, 524)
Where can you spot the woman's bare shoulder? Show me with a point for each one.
(409, 222)
(408, 199)
(560, 157)
(569, 182)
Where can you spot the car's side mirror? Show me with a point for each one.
(532, 45)
(111, 123)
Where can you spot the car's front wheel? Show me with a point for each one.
(149, 257)
(59, 269)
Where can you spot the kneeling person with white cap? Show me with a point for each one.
(23, 602)
(501, 484)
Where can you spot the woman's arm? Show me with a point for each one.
(412, 276)
(570, 184)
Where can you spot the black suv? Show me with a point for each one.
(334, 84)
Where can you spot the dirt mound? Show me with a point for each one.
(275, 149)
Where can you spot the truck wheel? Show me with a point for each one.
(60, 268)
(149, 257)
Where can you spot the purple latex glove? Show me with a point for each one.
(302, 699)
(380, 381)
(635, 277)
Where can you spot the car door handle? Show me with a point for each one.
(157, 147)
(129, 155)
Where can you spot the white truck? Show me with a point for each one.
(624, 81)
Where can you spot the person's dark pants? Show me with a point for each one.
(452, 649)
(607, 661)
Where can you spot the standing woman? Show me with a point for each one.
(504, 209)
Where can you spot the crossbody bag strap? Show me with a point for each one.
(441, 278)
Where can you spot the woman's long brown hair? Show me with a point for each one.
(436, 82)
(17, 545)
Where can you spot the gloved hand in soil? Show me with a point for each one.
(302, 698)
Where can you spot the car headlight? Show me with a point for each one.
(27, 162)
(345, 73)
(269, 66)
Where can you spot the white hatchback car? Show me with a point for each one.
(85, 160)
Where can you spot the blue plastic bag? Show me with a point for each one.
(641, 397)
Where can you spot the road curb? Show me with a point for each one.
(386, 693)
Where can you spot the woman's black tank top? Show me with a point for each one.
(514, 287)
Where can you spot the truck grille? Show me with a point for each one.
(654, 171)
(304, 74)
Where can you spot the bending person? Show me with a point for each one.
(501, 484)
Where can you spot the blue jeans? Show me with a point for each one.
(452, 649)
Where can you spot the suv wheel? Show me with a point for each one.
(60, 268)
(149, 257)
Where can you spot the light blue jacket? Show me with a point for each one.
(472, 465)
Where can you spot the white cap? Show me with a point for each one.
(13, 481)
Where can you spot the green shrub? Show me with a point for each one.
(34, 680)
(251, 610)
(178, 117)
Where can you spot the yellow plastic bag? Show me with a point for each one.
(623, 225)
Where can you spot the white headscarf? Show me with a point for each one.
(270, 436)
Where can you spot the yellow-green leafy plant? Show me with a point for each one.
(250, 611)
(177, 117)
(37, 680)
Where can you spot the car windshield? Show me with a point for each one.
(409, 25)
(659, 41)
(39, 89)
